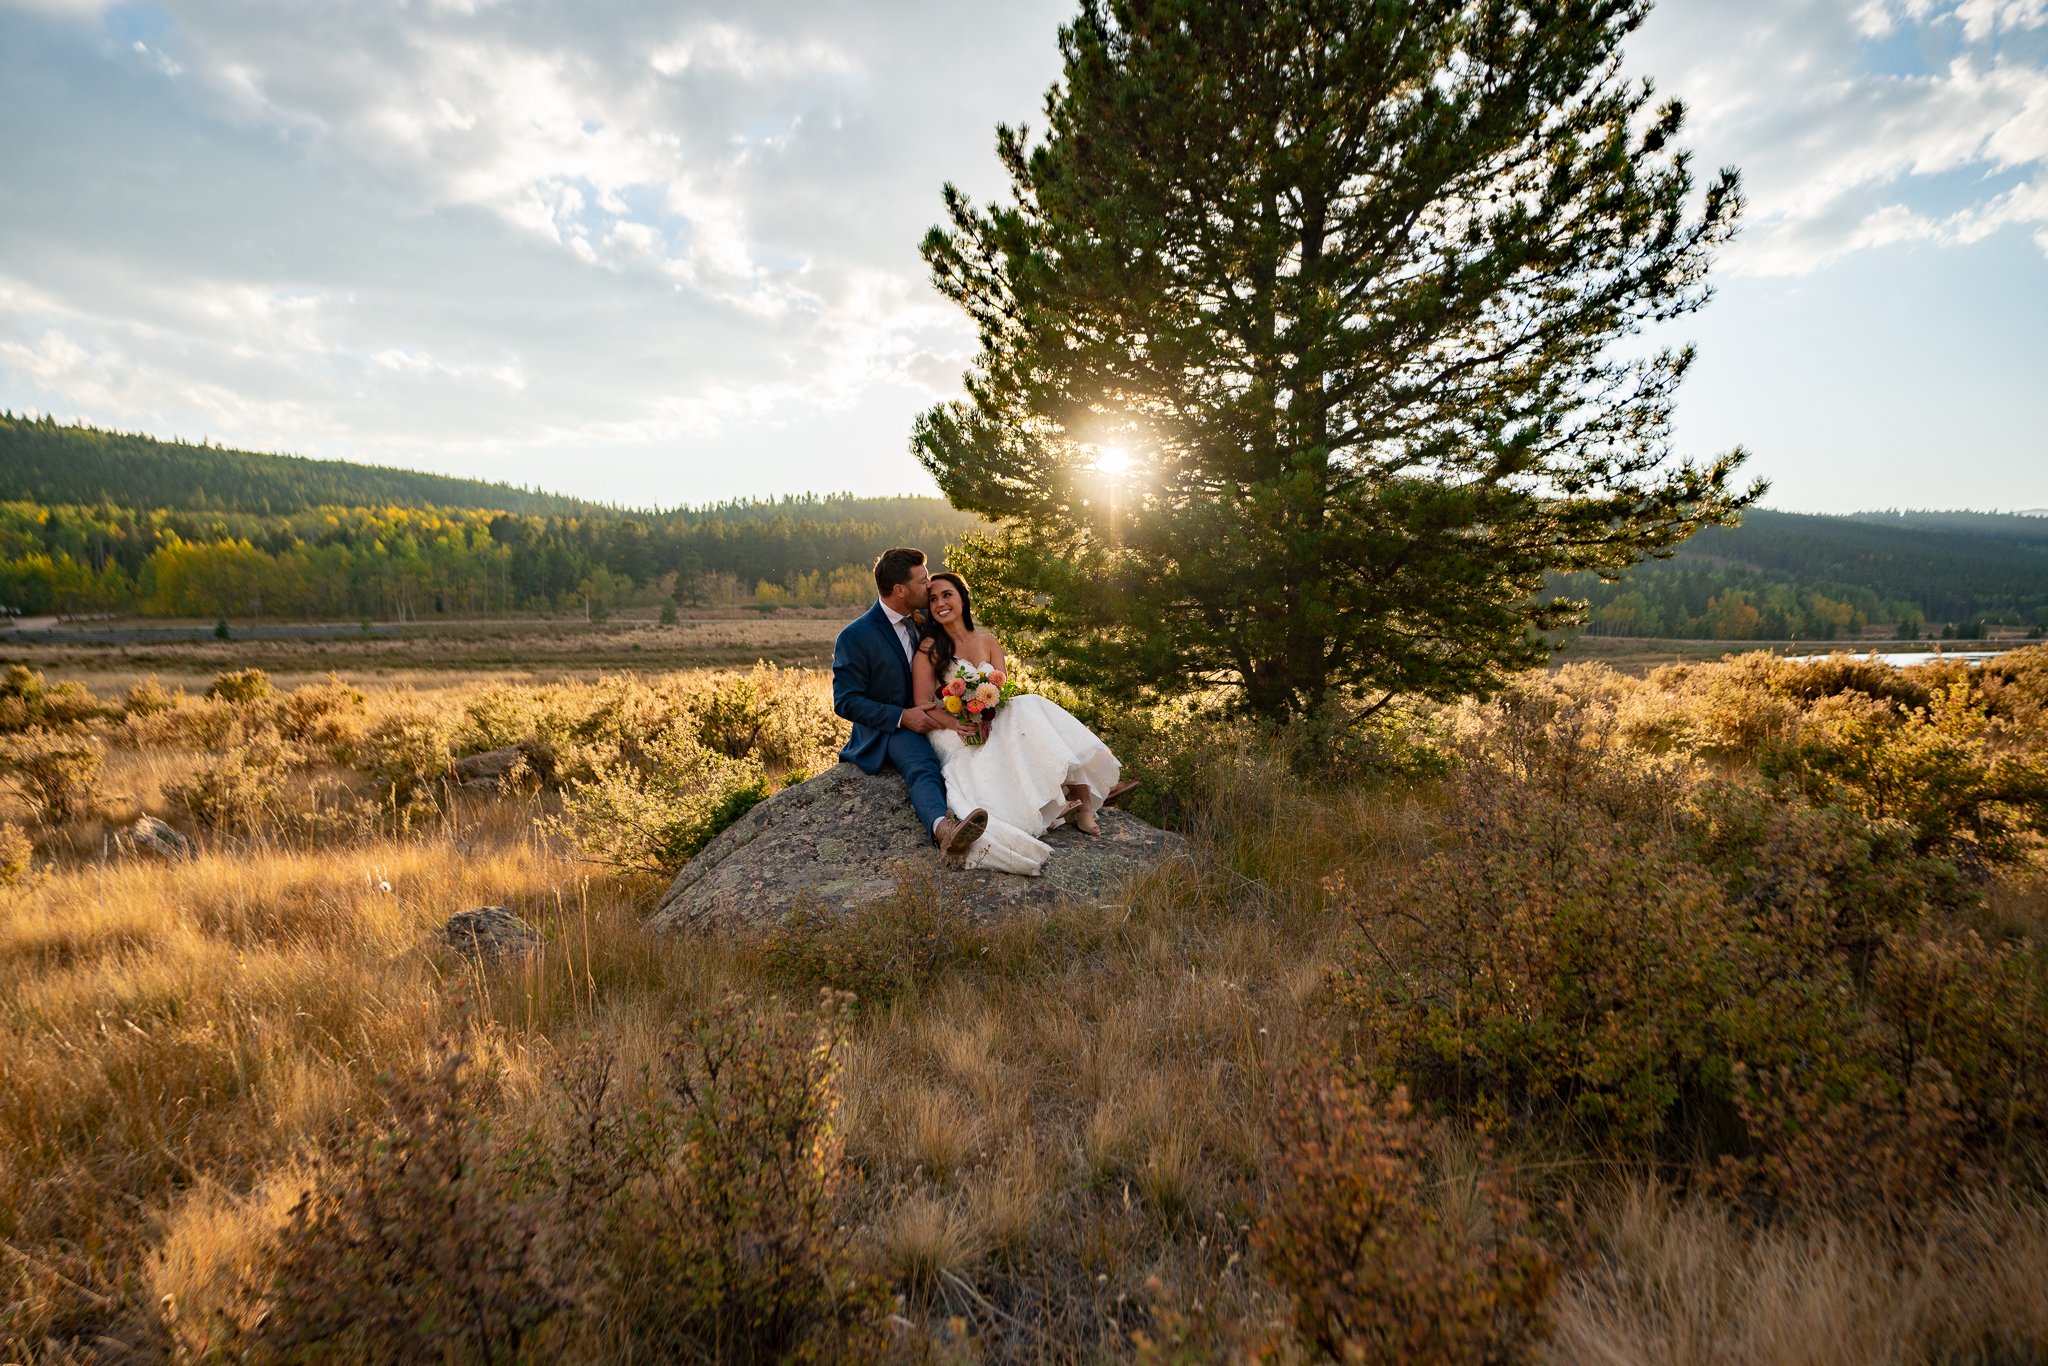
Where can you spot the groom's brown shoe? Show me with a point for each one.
(956, 835)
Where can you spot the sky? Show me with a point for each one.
(666, 253)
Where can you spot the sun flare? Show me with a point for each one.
(1112, 460)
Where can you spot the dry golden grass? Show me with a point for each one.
(1683, 1282)
(1043, 1127)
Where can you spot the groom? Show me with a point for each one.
(871, 688)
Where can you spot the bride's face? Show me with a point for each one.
(944, 606)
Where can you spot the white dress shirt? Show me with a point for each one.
(906, 630)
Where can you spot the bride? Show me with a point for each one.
(1038, 768)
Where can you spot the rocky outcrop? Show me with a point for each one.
(489, 932)
(844, 839)
(497, 768)
(154, 837)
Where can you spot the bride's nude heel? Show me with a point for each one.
(1076, 812)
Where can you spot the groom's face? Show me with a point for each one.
(914, 592)
(920, 586)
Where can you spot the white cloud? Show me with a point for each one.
(458, 232)
(426, 366)
(1841, 153)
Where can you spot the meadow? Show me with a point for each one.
(1692, 1013)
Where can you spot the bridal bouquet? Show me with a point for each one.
(974, 693)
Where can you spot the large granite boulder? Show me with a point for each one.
(844, 838)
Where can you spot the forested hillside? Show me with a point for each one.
(45, 462)
(1783, 575)
(102, 521)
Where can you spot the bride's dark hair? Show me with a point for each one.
(941, 639)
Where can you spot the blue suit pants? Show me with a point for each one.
(912, 755)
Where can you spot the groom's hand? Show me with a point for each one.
(925, 720)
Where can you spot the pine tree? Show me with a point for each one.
(1298, 363)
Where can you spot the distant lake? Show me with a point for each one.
(1904, 659)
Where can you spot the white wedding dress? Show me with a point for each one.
(1034, 750)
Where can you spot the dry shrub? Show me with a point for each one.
(1180, 751)
(496, 717)
(238, 789)
(147, 697)
(1938, 1085)
(653, 815)
(427, 1239)
(1558, 961)
(1822, 880)
(700, 1214)
(1931, 769)
(322, 718)
(775, 715)
(56, 772)
(1381, 1271)
(408, 752)
(895, 946)
(28, 701)
(1607, 949)
(189, 723)
(624, 715)
(240, 687)
(2014, 687)
(723, 1223)
(17, 855)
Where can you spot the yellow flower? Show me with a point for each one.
(953, 705)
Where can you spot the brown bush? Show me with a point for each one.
(891, 947)
(1378, 1270)
(189, 723)
(701, 1214)
(1931, 769)
(1937, 1085)
(55, 772)
(148, 697)
(774, 715)
(322, 718)
(498, 716)
(653, 815)
(408, 752)
(1559, 961)
(726, 1233)
(427, 1239)
(1550, 969)
(239, 788)
(239, 687)
(1818, 879)
(17, 855)
(28, 701)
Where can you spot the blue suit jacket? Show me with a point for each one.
(870, 686)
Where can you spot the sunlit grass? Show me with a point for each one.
(1064, 1109)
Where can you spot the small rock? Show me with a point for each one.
(153, 836)
(489, 932)
(494, 768)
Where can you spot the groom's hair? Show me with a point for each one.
(893, 567)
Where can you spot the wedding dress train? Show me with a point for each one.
(1019, 775)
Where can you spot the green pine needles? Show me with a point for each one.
(1298, 336)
